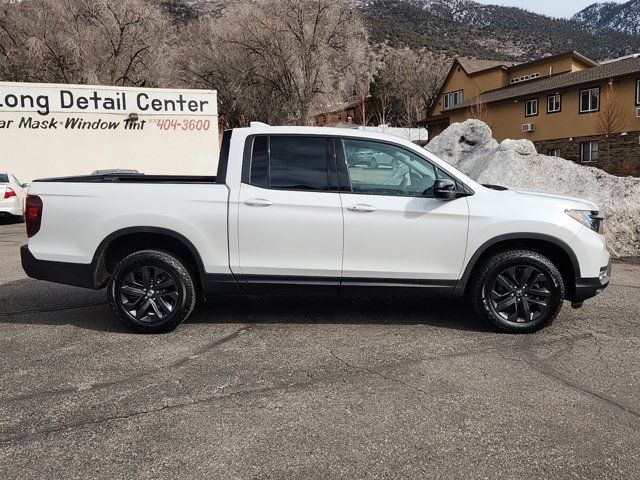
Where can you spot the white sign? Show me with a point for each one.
(83, 99)
(53, 130)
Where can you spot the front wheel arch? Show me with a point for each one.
(557, 251)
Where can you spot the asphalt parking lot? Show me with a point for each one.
(315, 387)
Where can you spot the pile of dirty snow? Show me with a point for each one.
(470, 147)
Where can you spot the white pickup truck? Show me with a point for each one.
(304, 209)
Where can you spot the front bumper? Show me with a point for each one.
(590, 287)
(76, 274)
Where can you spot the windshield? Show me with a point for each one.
(4, 178)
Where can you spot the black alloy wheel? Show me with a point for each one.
(520, 294)
(151, 291)
(148, 294)
(517, 291)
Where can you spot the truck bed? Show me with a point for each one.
(132, 178)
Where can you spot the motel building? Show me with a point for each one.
(568, 105)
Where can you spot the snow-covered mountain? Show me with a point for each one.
(469, 28)
(621, 17)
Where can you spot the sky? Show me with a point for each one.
(553, 8)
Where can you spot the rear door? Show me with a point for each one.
(290, 215)
(395, 231)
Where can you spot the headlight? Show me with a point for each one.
(591, 219)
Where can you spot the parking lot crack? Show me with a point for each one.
(372, 371)
(534, 361)
(48, 310)
(212, 346)
(97, 421)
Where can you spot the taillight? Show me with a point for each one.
(33, 214)
(9, 192)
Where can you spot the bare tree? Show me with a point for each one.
(362, 91)
(116, 42)
(277, 60)
(407, 83)
(480, 110)
(610, 118)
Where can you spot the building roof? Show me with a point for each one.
(548, 58)
(342, 106)
(471, 65)
(561, 81)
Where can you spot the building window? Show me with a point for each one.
(553, 152)
(554, 103)
(589, 151)
(452, 99)
(638, 92)
(531, 107)
(590, 100)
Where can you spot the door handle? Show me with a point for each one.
(362, 207)
(258, 202)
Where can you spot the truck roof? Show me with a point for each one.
(257, 127)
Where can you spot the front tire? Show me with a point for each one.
(518, 291)
(151, 291)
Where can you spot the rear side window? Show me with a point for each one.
(290, 162)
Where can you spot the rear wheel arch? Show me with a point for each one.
(556, 250)
(124, 242)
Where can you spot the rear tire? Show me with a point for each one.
(151, 291)
(518, 291)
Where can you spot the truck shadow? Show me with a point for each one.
(446, 313)
(30, 302)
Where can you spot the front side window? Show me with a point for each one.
(531, 107)
(554, 103)
(589, 151)
(590, 100)
(289, 163)
(452, 99)
(382, 169)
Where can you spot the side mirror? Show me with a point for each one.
(445, 189)
(25, 185)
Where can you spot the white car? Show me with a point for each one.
(12, 197)
(289, 213)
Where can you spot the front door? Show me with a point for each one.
(395, 232)
(290, 216)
